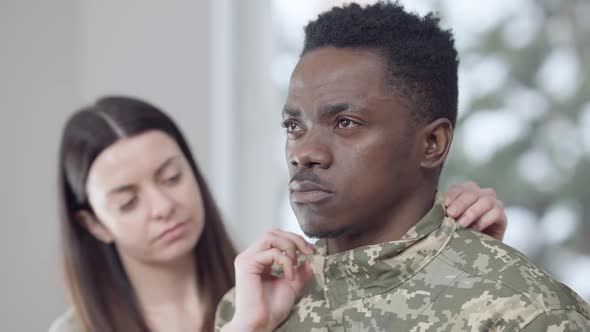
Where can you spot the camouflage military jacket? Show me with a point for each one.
(438, 277)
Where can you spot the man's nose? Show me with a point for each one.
(310, 151)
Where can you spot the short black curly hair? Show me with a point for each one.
(420, 56)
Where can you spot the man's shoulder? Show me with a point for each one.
(225, 309)
(67, 322)
(491, 267)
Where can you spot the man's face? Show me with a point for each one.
(350, 142)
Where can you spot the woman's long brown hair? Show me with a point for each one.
(99, 289)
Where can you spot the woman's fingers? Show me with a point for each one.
(303, 246)
(457, 189)
(275, 247)
(476, 210)
(287, 242)
(494, 222)
(302, 275)
(457, 207)
(260, 262)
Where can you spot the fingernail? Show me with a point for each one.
(462, 222)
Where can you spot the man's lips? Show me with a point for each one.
(308, 192)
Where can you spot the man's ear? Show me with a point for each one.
(436, 143)
(90, 223)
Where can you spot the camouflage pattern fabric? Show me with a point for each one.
(438, 277)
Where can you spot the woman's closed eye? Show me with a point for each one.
(173, 179)
(128, 205)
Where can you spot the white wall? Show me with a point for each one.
(257, 115)
(157, 50)
(38, 87)
(54, 57)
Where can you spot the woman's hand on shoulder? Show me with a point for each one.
(476, 208)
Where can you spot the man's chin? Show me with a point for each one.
(318, 233)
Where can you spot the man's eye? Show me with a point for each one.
(346, 123)
(290, 126)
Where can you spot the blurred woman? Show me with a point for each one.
(143, 244)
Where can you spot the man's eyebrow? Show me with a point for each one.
(335, 109)
(291, 112)
(328, 110)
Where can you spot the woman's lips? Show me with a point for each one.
(173, 233)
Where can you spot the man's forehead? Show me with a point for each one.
(332, 65)
(337, 73)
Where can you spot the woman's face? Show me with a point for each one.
(146, 198)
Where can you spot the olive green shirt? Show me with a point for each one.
(438, 277)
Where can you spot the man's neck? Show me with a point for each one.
(390, 226)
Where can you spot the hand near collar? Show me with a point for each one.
(263, 301)
(476, 208)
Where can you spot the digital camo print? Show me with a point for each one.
(438, 277)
